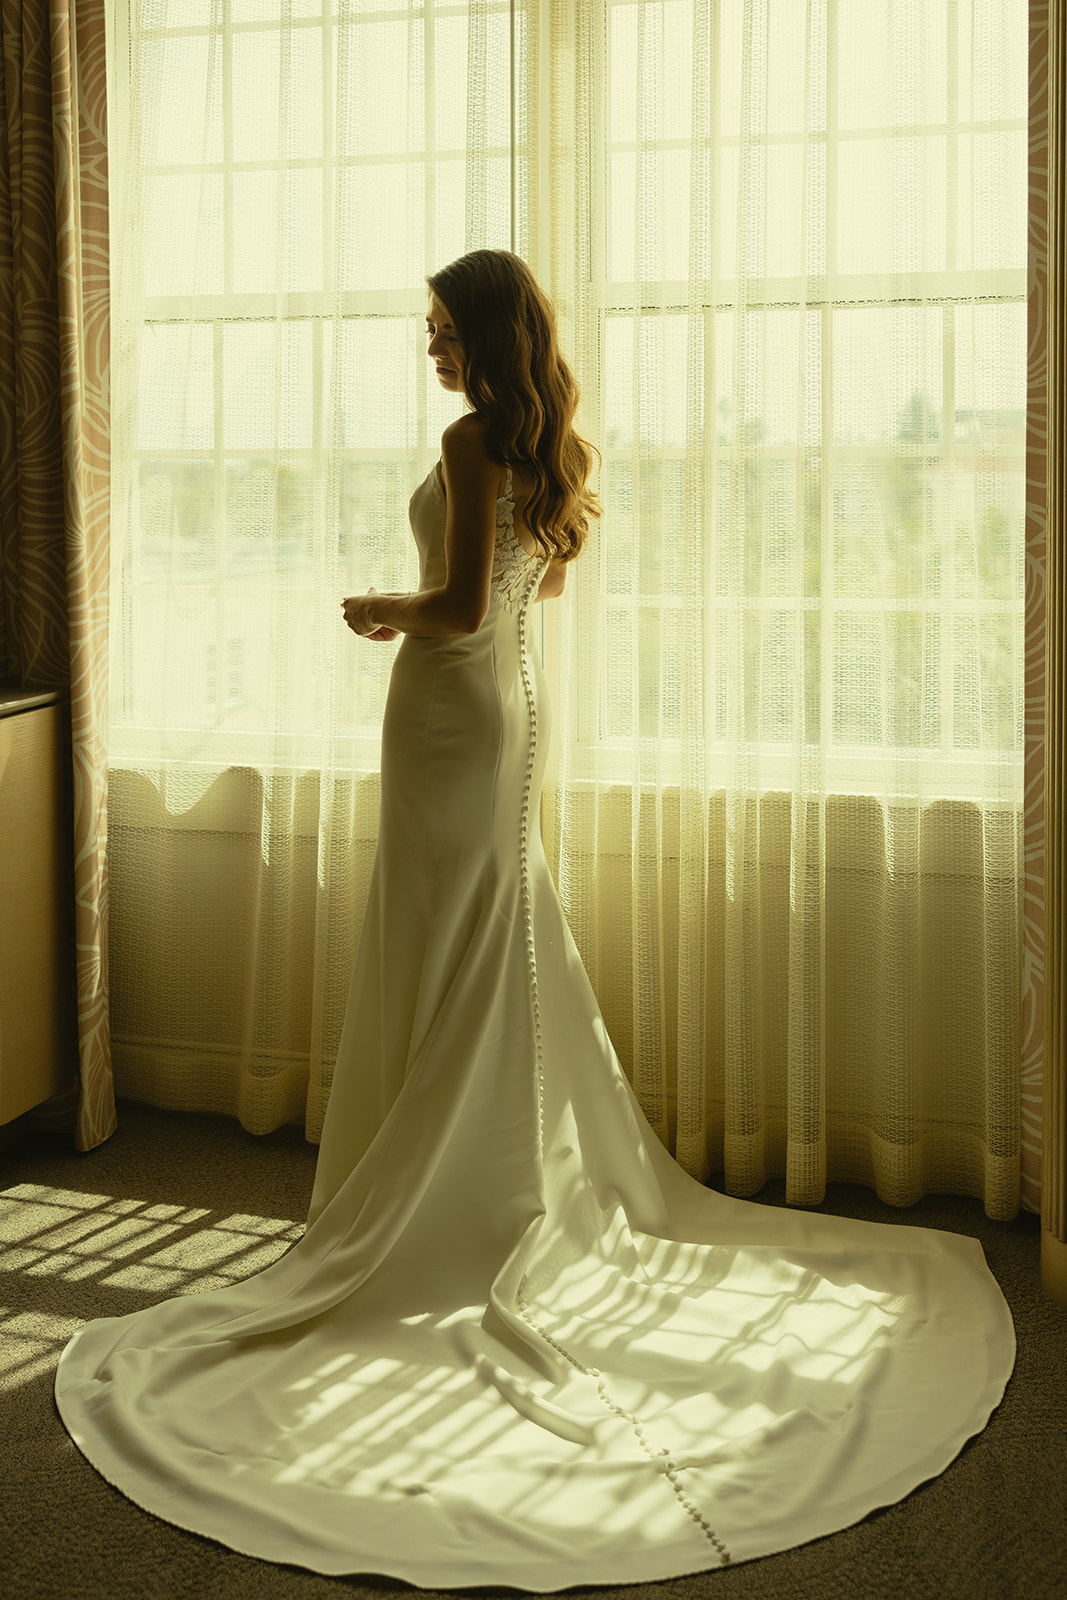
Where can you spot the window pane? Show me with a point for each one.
(182, 100)
(176, 397)
(381, 223)
(649, 214)
(271, 10)
(994, 44)
(887, 376)
(182, 235)
(270, 519)
(381, 93)
(987, 708)
(277, 112)
(786, 61)
(782, 222)
(267, 386)
(277, 232)
(652, 45)
(892, 65)
(781, 380)
(645, 370)
(891, 205)
(450, 83)
(642, 674)
(378, 360)
(991, 231)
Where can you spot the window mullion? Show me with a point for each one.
(329, 156)
(827, 578)
(947, 512)
(219, 474)
(227, 151)
(952, 149)
(948, 393)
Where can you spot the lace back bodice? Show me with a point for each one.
(514, 566)
(512, 562)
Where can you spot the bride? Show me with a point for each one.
(517, 1344)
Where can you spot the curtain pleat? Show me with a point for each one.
(786, 803)
(54, 454)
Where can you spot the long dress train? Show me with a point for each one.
(517, 1344)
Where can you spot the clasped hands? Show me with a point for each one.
(357, 609)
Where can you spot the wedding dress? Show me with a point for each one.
(517, 1344)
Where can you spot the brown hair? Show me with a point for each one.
(518, 383)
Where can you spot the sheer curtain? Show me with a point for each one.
(787, 243)
(290, 172)
(786, 807)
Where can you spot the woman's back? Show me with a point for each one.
(517, 559)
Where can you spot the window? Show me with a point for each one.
(810, 275)
(282, 188)
(801, 340)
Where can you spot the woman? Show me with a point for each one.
(517, 1344)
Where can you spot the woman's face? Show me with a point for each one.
(444, 350)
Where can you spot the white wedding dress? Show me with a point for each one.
(517, 1344)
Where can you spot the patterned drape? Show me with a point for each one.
(1033, 1041)
(1049, 294)
(54, 448)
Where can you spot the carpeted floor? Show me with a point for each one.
(176, 1202)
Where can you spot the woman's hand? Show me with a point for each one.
(359, 615)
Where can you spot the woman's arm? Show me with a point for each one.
(461, 603)
(553, 581)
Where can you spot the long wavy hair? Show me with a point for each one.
(516, 380)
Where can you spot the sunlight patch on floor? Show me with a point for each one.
(30, 1343)
(122, 1244)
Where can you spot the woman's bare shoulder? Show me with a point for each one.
(465, 437)
(464, 458)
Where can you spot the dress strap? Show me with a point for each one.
(507, 485)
